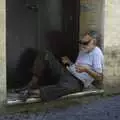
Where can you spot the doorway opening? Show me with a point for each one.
(34, 25)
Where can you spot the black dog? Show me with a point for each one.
(24, 69)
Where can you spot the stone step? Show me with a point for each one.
(13, 100)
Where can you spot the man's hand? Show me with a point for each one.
(65, 60)
(95, 75)
(80, 68)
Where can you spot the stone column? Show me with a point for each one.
(112, 45)
(2, 52)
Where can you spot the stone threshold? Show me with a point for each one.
(11, 102)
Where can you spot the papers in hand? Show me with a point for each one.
(84, 77)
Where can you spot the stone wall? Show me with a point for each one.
(112, 37)
(2, 52)
(111, 44)
(91, 17)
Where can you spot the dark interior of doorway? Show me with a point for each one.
(71, 14)
(68, 36)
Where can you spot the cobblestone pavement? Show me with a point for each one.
(108, 109)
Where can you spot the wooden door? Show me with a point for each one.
(71, 13)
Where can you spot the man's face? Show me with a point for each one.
(86, 44)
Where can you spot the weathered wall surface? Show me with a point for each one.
(112, 43)
(91, 16)
(2, 52)
(112, 37)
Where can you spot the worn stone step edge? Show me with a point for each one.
(85, 93)
(34, 100)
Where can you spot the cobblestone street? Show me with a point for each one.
(99, 110)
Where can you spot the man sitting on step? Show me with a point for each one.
(87, 70)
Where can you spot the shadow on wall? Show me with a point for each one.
(57, 42)
(10, 78)
(60, 45)
(21, 75)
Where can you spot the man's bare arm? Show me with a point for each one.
(95, 75)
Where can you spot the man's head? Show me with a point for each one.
(89, 40)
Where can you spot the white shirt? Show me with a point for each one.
(94, 60)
